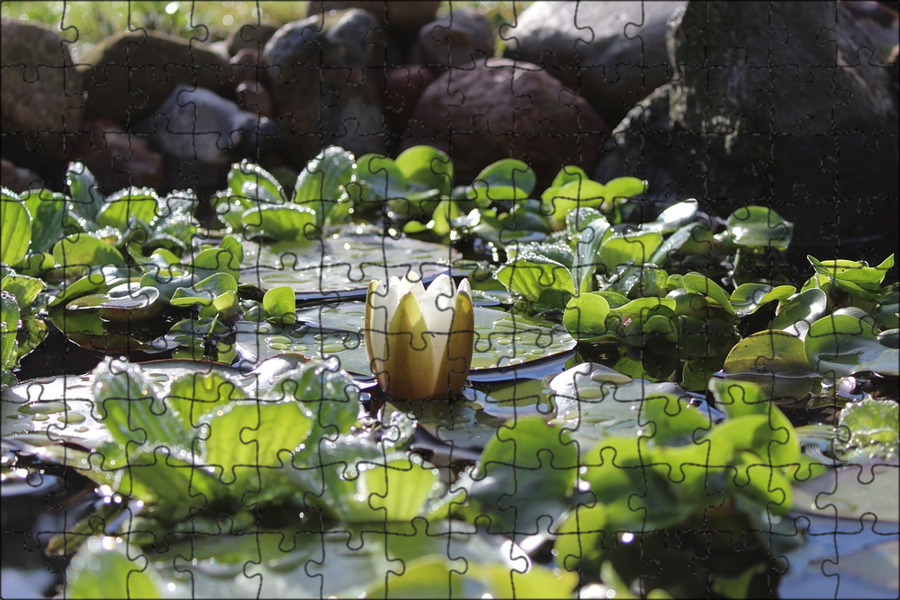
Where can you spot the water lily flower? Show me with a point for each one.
(420, 341)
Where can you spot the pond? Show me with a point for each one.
(618, 406)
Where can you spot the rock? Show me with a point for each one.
(247, 65)
(200, 134)
(18, 179)
(612, 53)
(504, 109)
(150, 65)
(805, 128)
(403, 87)
(118, 159)
(401, 19)
(326, 78)
(881, 24)
(249, 35)
(462, 39)
(253, 97)
(41, 97)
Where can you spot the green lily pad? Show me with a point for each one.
(851, 492)
(842, 344)
(42, 411)
(501, 339)
(594, 401)
(759, 227)
(343, 562)
(340, 265)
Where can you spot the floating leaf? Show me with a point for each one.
(48, 215)
(340, 265)
(749, 297)
(759, 227)
(126, 204)
(15, 229)
(841, 344)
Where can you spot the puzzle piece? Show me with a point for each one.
(420, 299)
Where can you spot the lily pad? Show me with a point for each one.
(842, 344)
(594, 401)
(850, 493)
(340, 265)
(42, 411)
(501, 339)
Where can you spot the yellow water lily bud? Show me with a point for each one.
(420, 341)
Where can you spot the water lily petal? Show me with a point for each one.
(408, 371)
(457, 356)
(376, 322)
(437, 305)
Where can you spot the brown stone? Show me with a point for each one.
(40, 96)
(454, 41)
(118, 159)
(401, 19)
(253, 97)
(128, 75)
(18, 179)
(403, 88)
(506, 109)
(247, 65)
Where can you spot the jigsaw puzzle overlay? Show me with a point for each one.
(449, 299)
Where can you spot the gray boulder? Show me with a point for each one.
(326, 77)
(200, 134)
(795, 121)
(612, 53)
(41, 101)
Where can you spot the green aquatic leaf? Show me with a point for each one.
(624, 248)
(437, 577)
(192, 395)
(383, 178)
(700, 284)
(129, 404)
(130, 203)
(674, 217)
(530, 468)
(15, 229)
(507, 179)
(799, 312)
(322, 183)
(252, 186)
(535, 277)
(585, 316)
(340, 264)
(874, 427)
(749, 297)
(759, 227)
(288, 222)
(279, 303)
(86, 199)
(108, 567)
(250, 442)
(769, 351)
(839, 345)
(48, 217)
(851, 271)
(79, 251)
(9, 328)
(428, 166)
(590, 237)
(25, 289)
